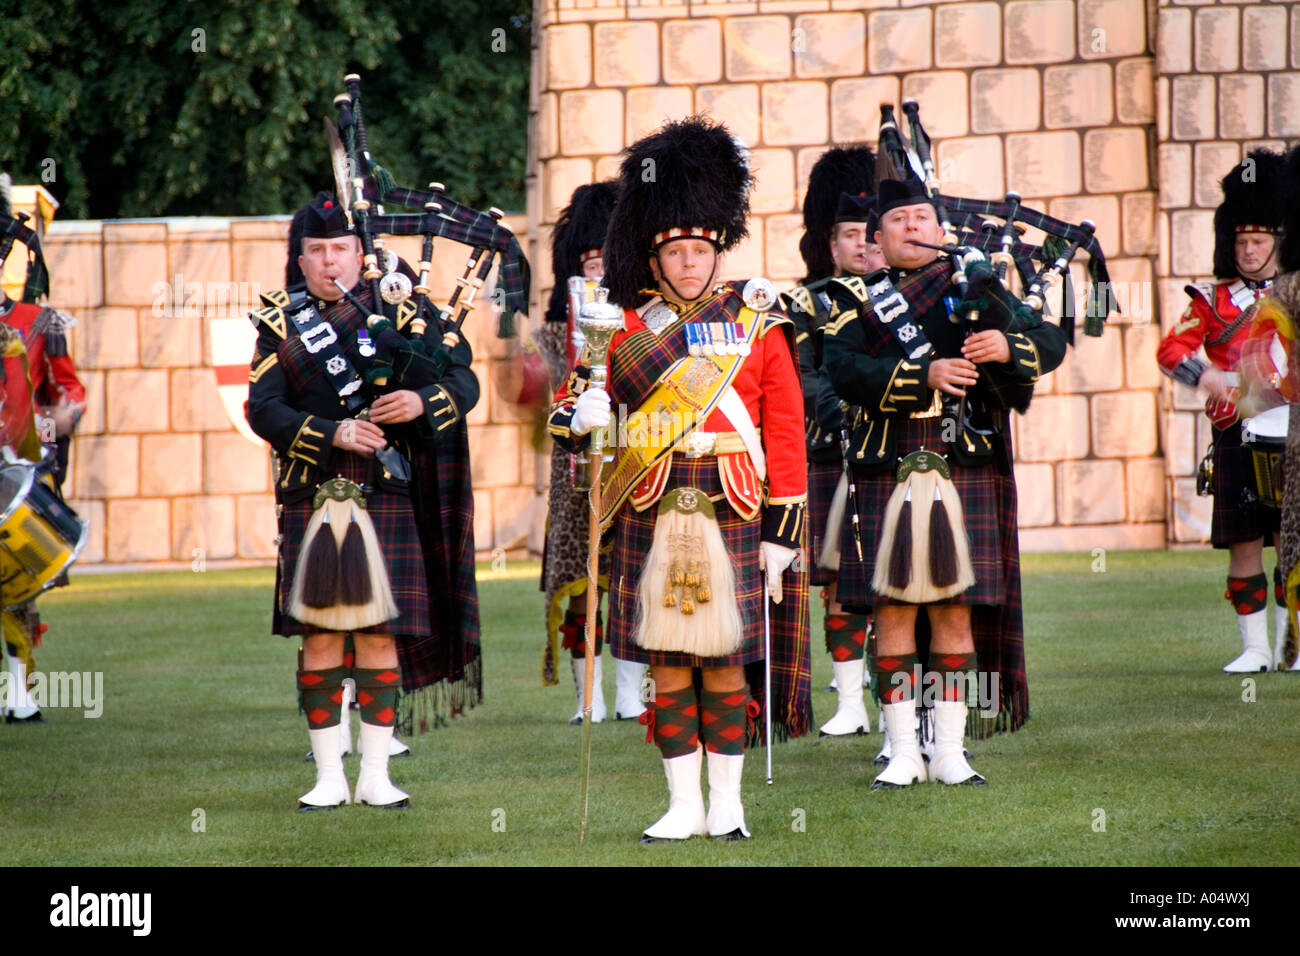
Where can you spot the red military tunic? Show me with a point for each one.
(748, 511)
(1214, 320)
(1219, 319)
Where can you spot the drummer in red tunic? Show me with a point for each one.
(1247, 226)
(42, 403)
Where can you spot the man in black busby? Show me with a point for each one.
(375, 507)
(707, 490)
(932, 459)
(577, 245)
(838, 213)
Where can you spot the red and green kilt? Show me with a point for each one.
(792, 714)
(633, 536)
(978, 488)
(398, 538)
(1238, 513)
(823, 476)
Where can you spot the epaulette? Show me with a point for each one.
(1204, 290)
(773, 319)
(799, 299)
(272, 313)
(856, 286)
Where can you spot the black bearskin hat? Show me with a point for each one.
(1251, 197)
(580, 229)
(1288, 259)
(689, 177)
(841, 169)
(36, 283)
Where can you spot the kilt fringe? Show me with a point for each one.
(433, 705)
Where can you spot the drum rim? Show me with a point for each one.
(29, 478)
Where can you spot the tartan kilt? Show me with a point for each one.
(633, 535)
(398, 537)
(823, 476)
(978, 489)
(1238, 514)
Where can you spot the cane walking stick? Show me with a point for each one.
(599, 321)
(767, 676)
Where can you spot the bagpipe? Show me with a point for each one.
(982, 248)
(401, 346)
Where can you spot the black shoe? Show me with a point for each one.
(36, 718)
(735, 836)
(309, 808)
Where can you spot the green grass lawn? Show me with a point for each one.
(1131, 718)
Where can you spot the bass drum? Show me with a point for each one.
(40, 536)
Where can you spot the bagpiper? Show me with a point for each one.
(44, 401)
(838, 239)
(932, 526)
(371, 482)
(707, 491)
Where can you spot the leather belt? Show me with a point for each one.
(697, 444)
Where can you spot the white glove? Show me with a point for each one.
(774, 559)
(591, 410)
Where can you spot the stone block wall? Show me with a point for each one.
(1056, 99)
(1228, 81)
(158, 465)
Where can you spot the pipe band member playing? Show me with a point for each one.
(355, 417)
(838, 239)
(935, 491)
(1216, 325)
(706, 493)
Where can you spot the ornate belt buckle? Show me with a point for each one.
(698, 444)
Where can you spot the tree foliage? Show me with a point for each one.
(159, 107)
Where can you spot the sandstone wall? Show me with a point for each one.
(1228, 80)
(158, 466)
(1053, 98)
(1123, 111)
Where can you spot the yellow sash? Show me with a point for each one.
(685, 395)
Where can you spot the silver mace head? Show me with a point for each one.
(599, 319)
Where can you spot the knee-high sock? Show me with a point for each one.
(846, 636)
(321, 693)
(673, 722)
(895, 675)
(377, 690)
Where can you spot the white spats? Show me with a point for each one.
(851, 714)
(948, 765)
(373, 786)
(905, 764)
(685, 817)
(628, 678)
(1255, 654)
(331, 788)
(726, 819)
(598, 712)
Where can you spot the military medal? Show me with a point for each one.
(364, 345)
